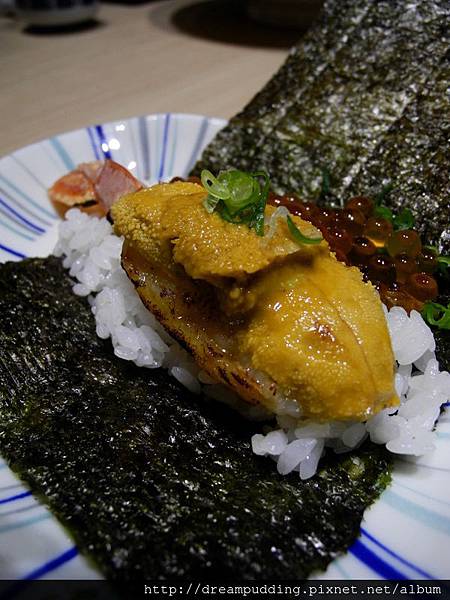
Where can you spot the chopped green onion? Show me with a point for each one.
(213, 185)
(437, 314)
(243, 190)
(257, 220)
(298, 236)
(238, 197)
(444, 265)
(404, 219)
(210, 203)
(384, 212)
(443, 261)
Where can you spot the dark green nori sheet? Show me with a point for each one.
(364, 95)
(151, 481)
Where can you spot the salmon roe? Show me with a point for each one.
(394, 261)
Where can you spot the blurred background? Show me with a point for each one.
(65, 64)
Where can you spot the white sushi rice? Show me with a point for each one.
(92, 254)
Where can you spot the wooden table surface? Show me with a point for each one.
(170, 55)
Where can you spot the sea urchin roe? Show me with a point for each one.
(170, 218)
(282, 324)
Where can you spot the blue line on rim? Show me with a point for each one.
(341, 570)
(399, 558)
(103, 142)
(427, 496)
(9, 487)
(18, 511)
(16, 588)
(14, 253)
(28, 212)
(173, 147)
(29, 172)
(145, 146)
(28, 198)
(25, 523)
(197, 146)
(14, 212)
(53, 564)
(164, 147)
(377, 564)
(430, 518)
(15, 497)
(62, 153)
(93, 144)
(16, 231)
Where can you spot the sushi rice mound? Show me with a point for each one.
(92, 253)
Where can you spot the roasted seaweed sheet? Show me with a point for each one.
(151, 481)
(365, 96)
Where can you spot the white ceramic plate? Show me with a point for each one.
(405, 535)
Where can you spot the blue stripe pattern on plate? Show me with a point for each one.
(145, 146)
(15, 497)
(20, 218)
(93, 144)
(53, 564)
(103, 143)
(162, 163)
(27, 198)
(12, 252)
(15, 231)
(63, 154)
(44, 569)
(424, 574)
(18, 511)
(377, 564)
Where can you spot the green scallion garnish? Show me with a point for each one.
(215, 187)
(298, 236)
(444, 265)
(404, 220)
(241, 198)
(384, 212)
(437, 315)
(237, 196)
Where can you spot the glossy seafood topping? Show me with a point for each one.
(282, 324)
(394, 260)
